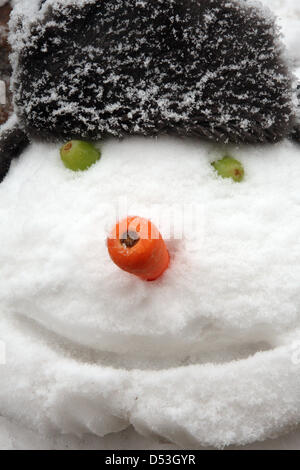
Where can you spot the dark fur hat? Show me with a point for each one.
(209, 68)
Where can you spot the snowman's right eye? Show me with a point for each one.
(78, 155)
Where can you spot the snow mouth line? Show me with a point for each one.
(137, 360)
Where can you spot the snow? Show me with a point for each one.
(207, 355)
(288, 13)
(96, 349)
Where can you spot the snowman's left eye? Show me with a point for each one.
(229, 167)
(78, 155)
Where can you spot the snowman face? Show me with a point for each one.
(96, 349)
(209, 353)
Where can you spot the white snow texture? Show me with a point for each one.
(207, 355)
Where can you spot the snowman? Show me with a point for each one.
(150, 220)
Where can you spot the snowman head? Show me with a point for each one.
(207, 354)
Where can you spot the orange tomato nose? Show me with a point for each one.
(136, 246)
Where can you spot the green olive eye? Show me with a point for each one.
(78, 155)
(228, 167)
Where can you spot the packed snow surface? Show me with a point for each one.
(203, 355)
(210, 353)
